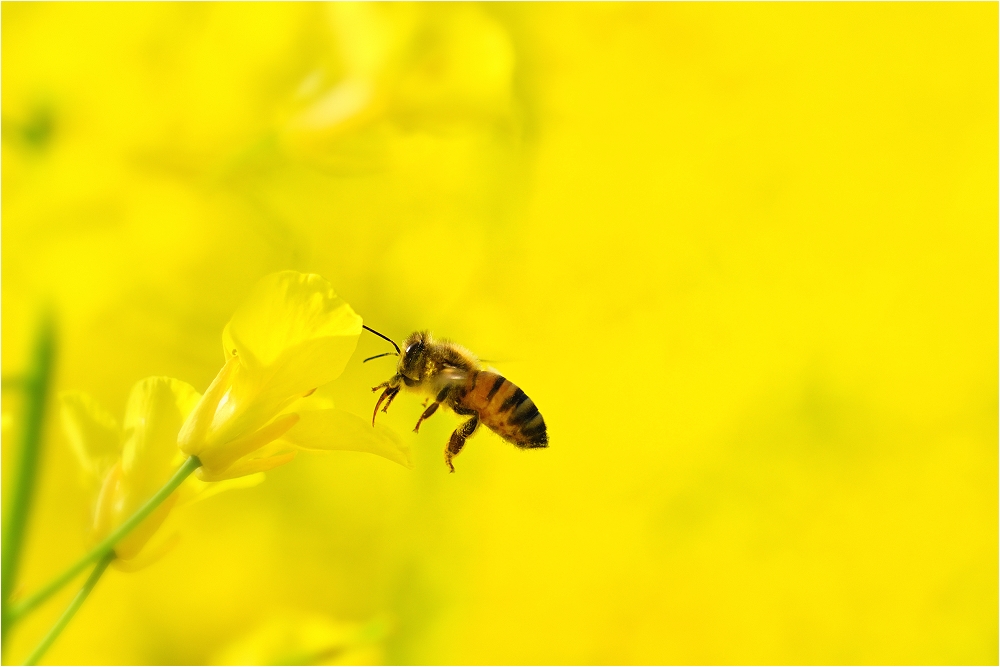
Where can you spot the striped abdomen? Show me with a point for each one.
(504, 409)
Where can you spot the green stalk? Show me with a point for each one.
(107, 545)
(67, 615)
(36, 388)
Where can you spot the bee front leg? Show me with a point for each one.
(443, 394)
(458, 440)
(391, 390)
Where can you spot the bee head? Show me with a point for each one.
(413, 360)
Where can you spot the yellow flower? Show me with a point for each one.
(405, 64)
(130, 463)
(297, 638)
(291, 335)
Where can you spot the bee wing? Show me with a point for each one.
(449, 376)
(453, 375)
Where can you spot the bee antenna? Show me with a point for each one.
(384, 354)
(383, 336)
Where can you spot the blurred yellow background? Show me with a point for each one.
(742, 256)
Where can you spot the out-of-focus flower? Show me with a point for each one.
(291, 335)
(301, 639)
(410, 63)
(131, 462)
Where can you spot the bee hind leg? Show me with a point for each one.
(458, 440)
(443, 394)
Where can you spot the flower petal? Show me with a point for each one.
(218, 459)
(108, 500)
(335, 429)
(294, 332)
(192, 435)
(246, 467)
(115, 504)
(158, 547)
(195, 490)
(154, 414)
(93, 433)
(299, 638)
(130, 545)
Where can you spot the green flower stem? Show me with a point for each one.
(107, 545)
(67, 615)
(35, 385)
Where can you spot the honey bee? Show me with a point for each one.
(451, 375)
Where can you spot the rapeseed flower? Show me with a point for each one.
(129, 463)
(298, 638)
(290, 336)
(380, 69)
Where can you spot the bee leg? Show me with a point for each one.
(387, 396)
(443, 394)
(458, 440)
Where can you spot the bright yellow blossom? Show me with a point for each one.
(380, 65)
(298, 638)
(291, 335)
(131, 462)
